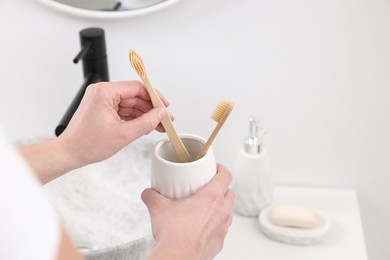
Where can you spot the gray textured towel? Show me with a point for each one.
(101, 207)
(136, 250)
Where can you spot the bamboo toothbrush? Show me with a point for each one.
(220, 115)
(181, 152)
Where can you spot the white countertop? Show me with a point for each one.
(345, 241)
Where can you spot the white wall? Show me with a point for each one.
(315, 72)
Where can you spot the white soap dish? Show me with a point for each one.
(295, 236)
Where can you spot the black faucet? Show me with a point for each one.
(95, 68)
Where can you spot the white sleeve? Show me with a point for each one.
(29, 227)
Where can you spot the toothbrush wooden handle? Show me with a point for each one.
(180, 150)
(221, 121)
(207, 145)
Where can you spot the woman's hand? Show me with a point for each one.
(194, 227)
(110, 116)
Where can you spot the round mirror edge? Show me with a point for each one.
(106, 14)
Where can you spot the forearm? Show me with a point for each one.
(170, 253)
(48, 159)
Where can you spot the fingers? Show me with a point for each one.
(229, 198)
(143, 124)
(134, 103)
(130, 113)
(121, 90)
(148, 196)
(162, 97)
(221, 181)
(124, 90)
(153, 199)
(130, 89)
(137, 108)
(137, 103)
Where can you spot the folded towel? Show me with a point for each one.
(100, 204)
(135, 250)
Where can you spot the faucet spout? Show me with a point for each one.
(90, 79)
(95, 69)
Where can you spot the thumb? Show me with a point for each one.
(145, 123)
(152, 198)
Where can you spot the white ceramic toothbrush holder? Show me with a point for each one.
(177, 180)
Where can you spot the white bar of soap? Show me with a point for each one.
(294, 216)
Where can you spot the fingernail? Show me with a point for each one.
(161, 113)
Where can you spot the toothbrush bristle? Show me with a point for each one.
(220, 110)
(137, 63)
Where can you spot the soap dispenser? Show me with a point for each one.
(252, 182)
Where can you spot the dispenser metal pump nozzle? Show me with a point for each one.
(253, 143)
